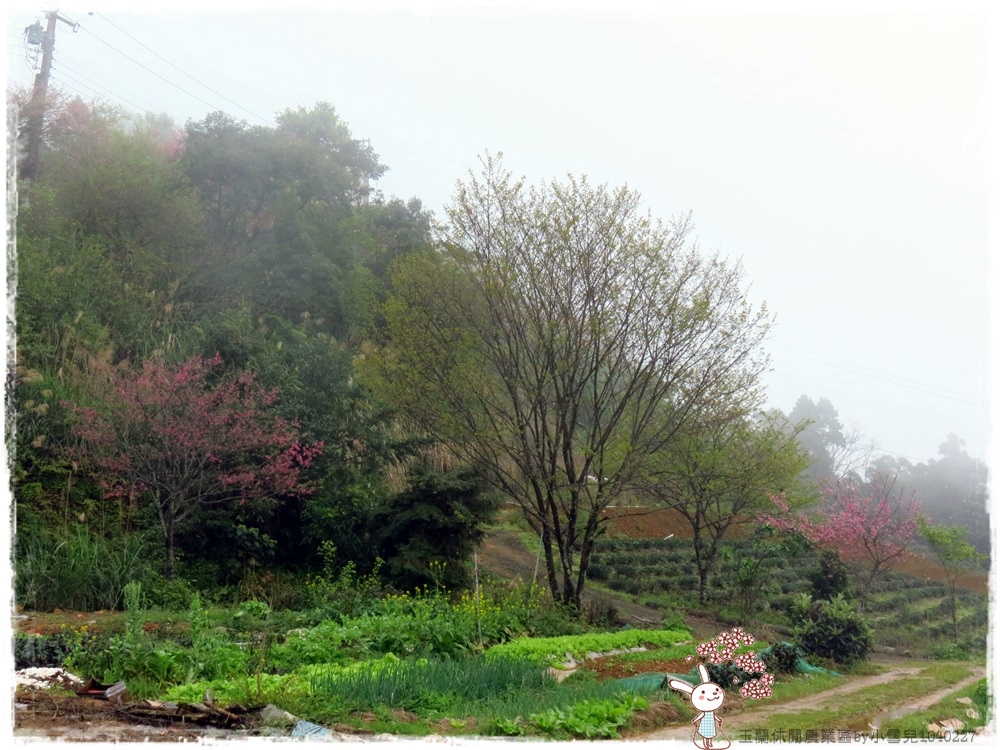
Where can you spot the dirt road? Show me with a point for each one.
(755, 717)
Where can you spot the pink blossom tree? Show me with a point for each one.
(868, 531)
(180, 436)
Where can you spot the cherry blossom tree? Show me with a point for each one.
(179, 436)
(869, 532)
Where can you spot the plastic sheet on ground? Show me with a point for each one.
(650, 681)
(308, 729)
(646, 682)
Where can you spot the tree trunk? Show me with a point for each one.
(168, 540)
(702, 567)
(954, 610)
(550, 563)
(702, 586)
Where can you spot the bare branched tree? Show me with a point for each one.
(559, 340)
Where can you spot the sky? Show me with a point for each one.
(841, 152)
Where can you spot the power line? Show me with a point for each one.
(58, 75)
(869, 372)
(179, 70)
(184, 52)
(133, 60)
(874, 370)
(84, 94)
(150, 108)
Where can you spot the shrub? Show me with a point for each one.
(951, 652)
(730, 677)
(323, 644)
(830, 578)
(831, 630)
(781, 658)
(982, 700)
(340, 591)
(41, 650)
(599, 572)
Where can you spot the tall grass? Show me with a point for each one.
(413, 685)
(78, 571)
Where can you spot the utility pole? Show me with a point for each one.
(36, 107)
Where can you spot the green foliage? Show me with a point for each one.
(339, 591)
(955, 555)
(423, 684)
(983, 701)
(437, 520)
(494, 349)
(729, 676)
(750, 567)
(554, 650)
(832, 630)
(212, 655)
(830, 578)
(950, 652)
(427, 623)
(32, 650)
(781, 658)
(79, 571)
(718, 473)
(590, 718)
(242, 689)
(147, 666)
(506, 727)
(277, 201)
(171, 594)
(954, 491)
(416, 626)
(322, 644)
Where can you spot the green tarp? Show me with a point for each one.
(647, 682)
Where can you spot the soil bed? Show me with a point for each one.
(54, 715)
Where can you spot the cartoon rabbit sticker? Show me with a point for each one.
(706, 698)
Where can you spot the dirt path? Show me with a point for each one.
(754, 717)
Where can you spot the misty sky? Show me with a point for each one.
(843, 156)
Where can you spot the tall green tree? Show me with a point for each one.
(278, 201)
(560, 339)
(956, 556)
(719, 475)
(428, 532)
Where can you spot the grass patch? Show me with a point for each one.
(789, 687)
(855, 711)
(915, 724)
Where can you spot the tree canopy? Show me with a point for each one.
(557, 340)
